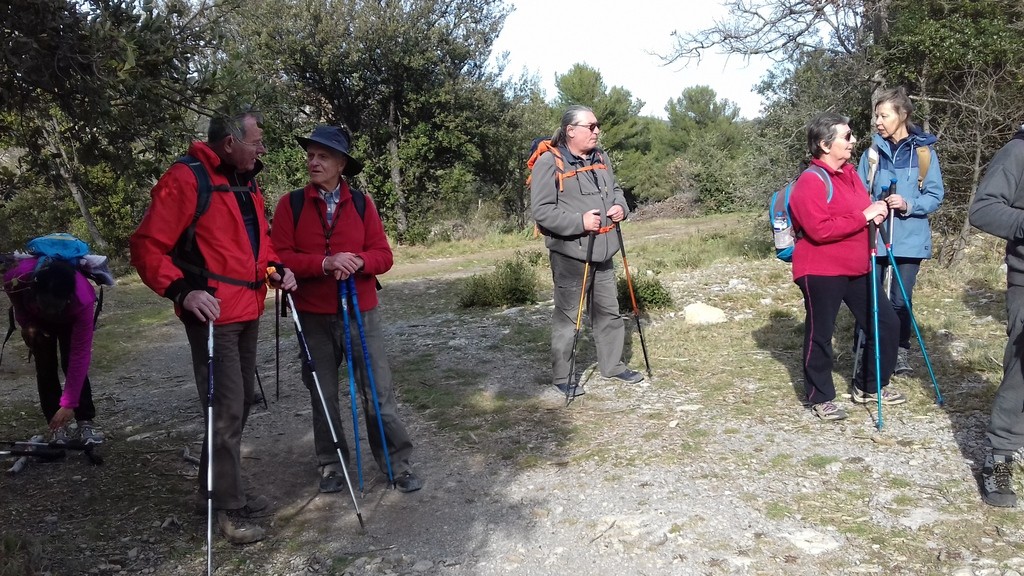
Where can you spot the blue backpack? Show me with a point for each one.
(782, 221)
(57, 246)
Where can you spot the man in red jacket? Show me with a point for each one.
(329, 242)
(214, 268)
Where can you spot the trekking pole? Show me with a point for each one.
(570, 391)
(873, 250)
(632, 296)
(209, 448)
(890, 225)
(263, 395)
(343, 297)
(917, 329)
(323, 403)
(351, 287)
(277, 344)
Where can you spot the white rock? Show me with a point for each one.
(812, 542)
(701, 314)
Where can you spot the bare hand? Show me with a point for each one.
(202, 304)
(876, 212)
(616, 213)
(592, 221)
(284, 280)
(896, 202)
(343, 264)
(62, 417)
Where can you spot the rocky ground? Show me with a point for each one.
(710, 467)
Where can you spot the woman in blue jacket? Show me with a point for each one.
(901, 151)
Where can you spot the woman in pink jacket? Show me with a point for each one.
(831, 263)
(54, 307)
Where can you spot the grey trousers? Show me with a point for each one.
(1006, 429)
(602, 307)
(234, 375)
(326, 345)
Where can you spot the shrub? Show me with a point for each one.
(649, 291)
(513, 282)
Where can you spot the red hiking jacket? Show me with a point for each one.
(303, 248)
(221, 238)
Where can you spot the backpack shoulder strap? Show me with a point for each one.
(203, 191)
(872, 165)
(924, 160)
(820, 173)
(359, 201)
(10, 330)
(296, 198)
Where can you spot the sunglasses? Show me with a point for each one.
(592, 126)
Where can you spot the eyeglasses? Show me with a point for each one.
(848, 136)
(592, 126)
(256, 144)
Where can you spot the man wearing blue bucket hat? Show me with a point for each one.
(327, 233)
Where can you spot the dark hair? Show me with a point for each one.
(822, 128)
(53, 285)
(570, 116)
(231, 124)
(900, 101)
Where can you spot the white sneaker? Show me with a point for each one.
(90, 433)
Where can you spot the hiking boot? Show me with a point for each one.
(62, 436)
(828, 411)
(90, 433)
(332, 479)
(408, 482)
(629, 376)
(889, 397)
(565, 389)
(997, 481)
(903, 362)
(235, 532)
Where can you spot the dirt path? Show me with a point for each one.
(712, 467)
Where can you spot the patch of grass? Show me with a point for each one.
(778, 510)
(820, 461)
(513, 282)
(650, 293)
(20, 556)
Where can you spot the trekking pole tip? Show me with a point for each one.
(360, 517)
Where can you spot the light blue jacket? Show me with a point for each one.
(912, 237)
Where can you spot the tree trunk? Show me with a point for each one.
(401, 208)
(64, 163)
(955, 249)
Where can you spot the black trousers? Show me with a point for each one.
(47, 378)
(822, 298)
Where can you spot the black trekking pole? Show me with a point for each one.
(570, 390)
(343, 298)
(917, 329)
(323, 403)
(209, 448)
(263, 395)
(632, 296)
(351, 287)
(873, 251)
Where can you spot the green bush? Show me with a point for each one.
(650, 293)
(513, 282)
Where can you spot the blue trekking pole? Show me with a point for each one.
(873, 250)
(351, 287)
(917, 330)
(343, 297)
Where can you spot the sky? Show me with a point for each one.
(618, 37)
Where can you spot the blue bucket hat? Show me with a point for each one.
(337, 139)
